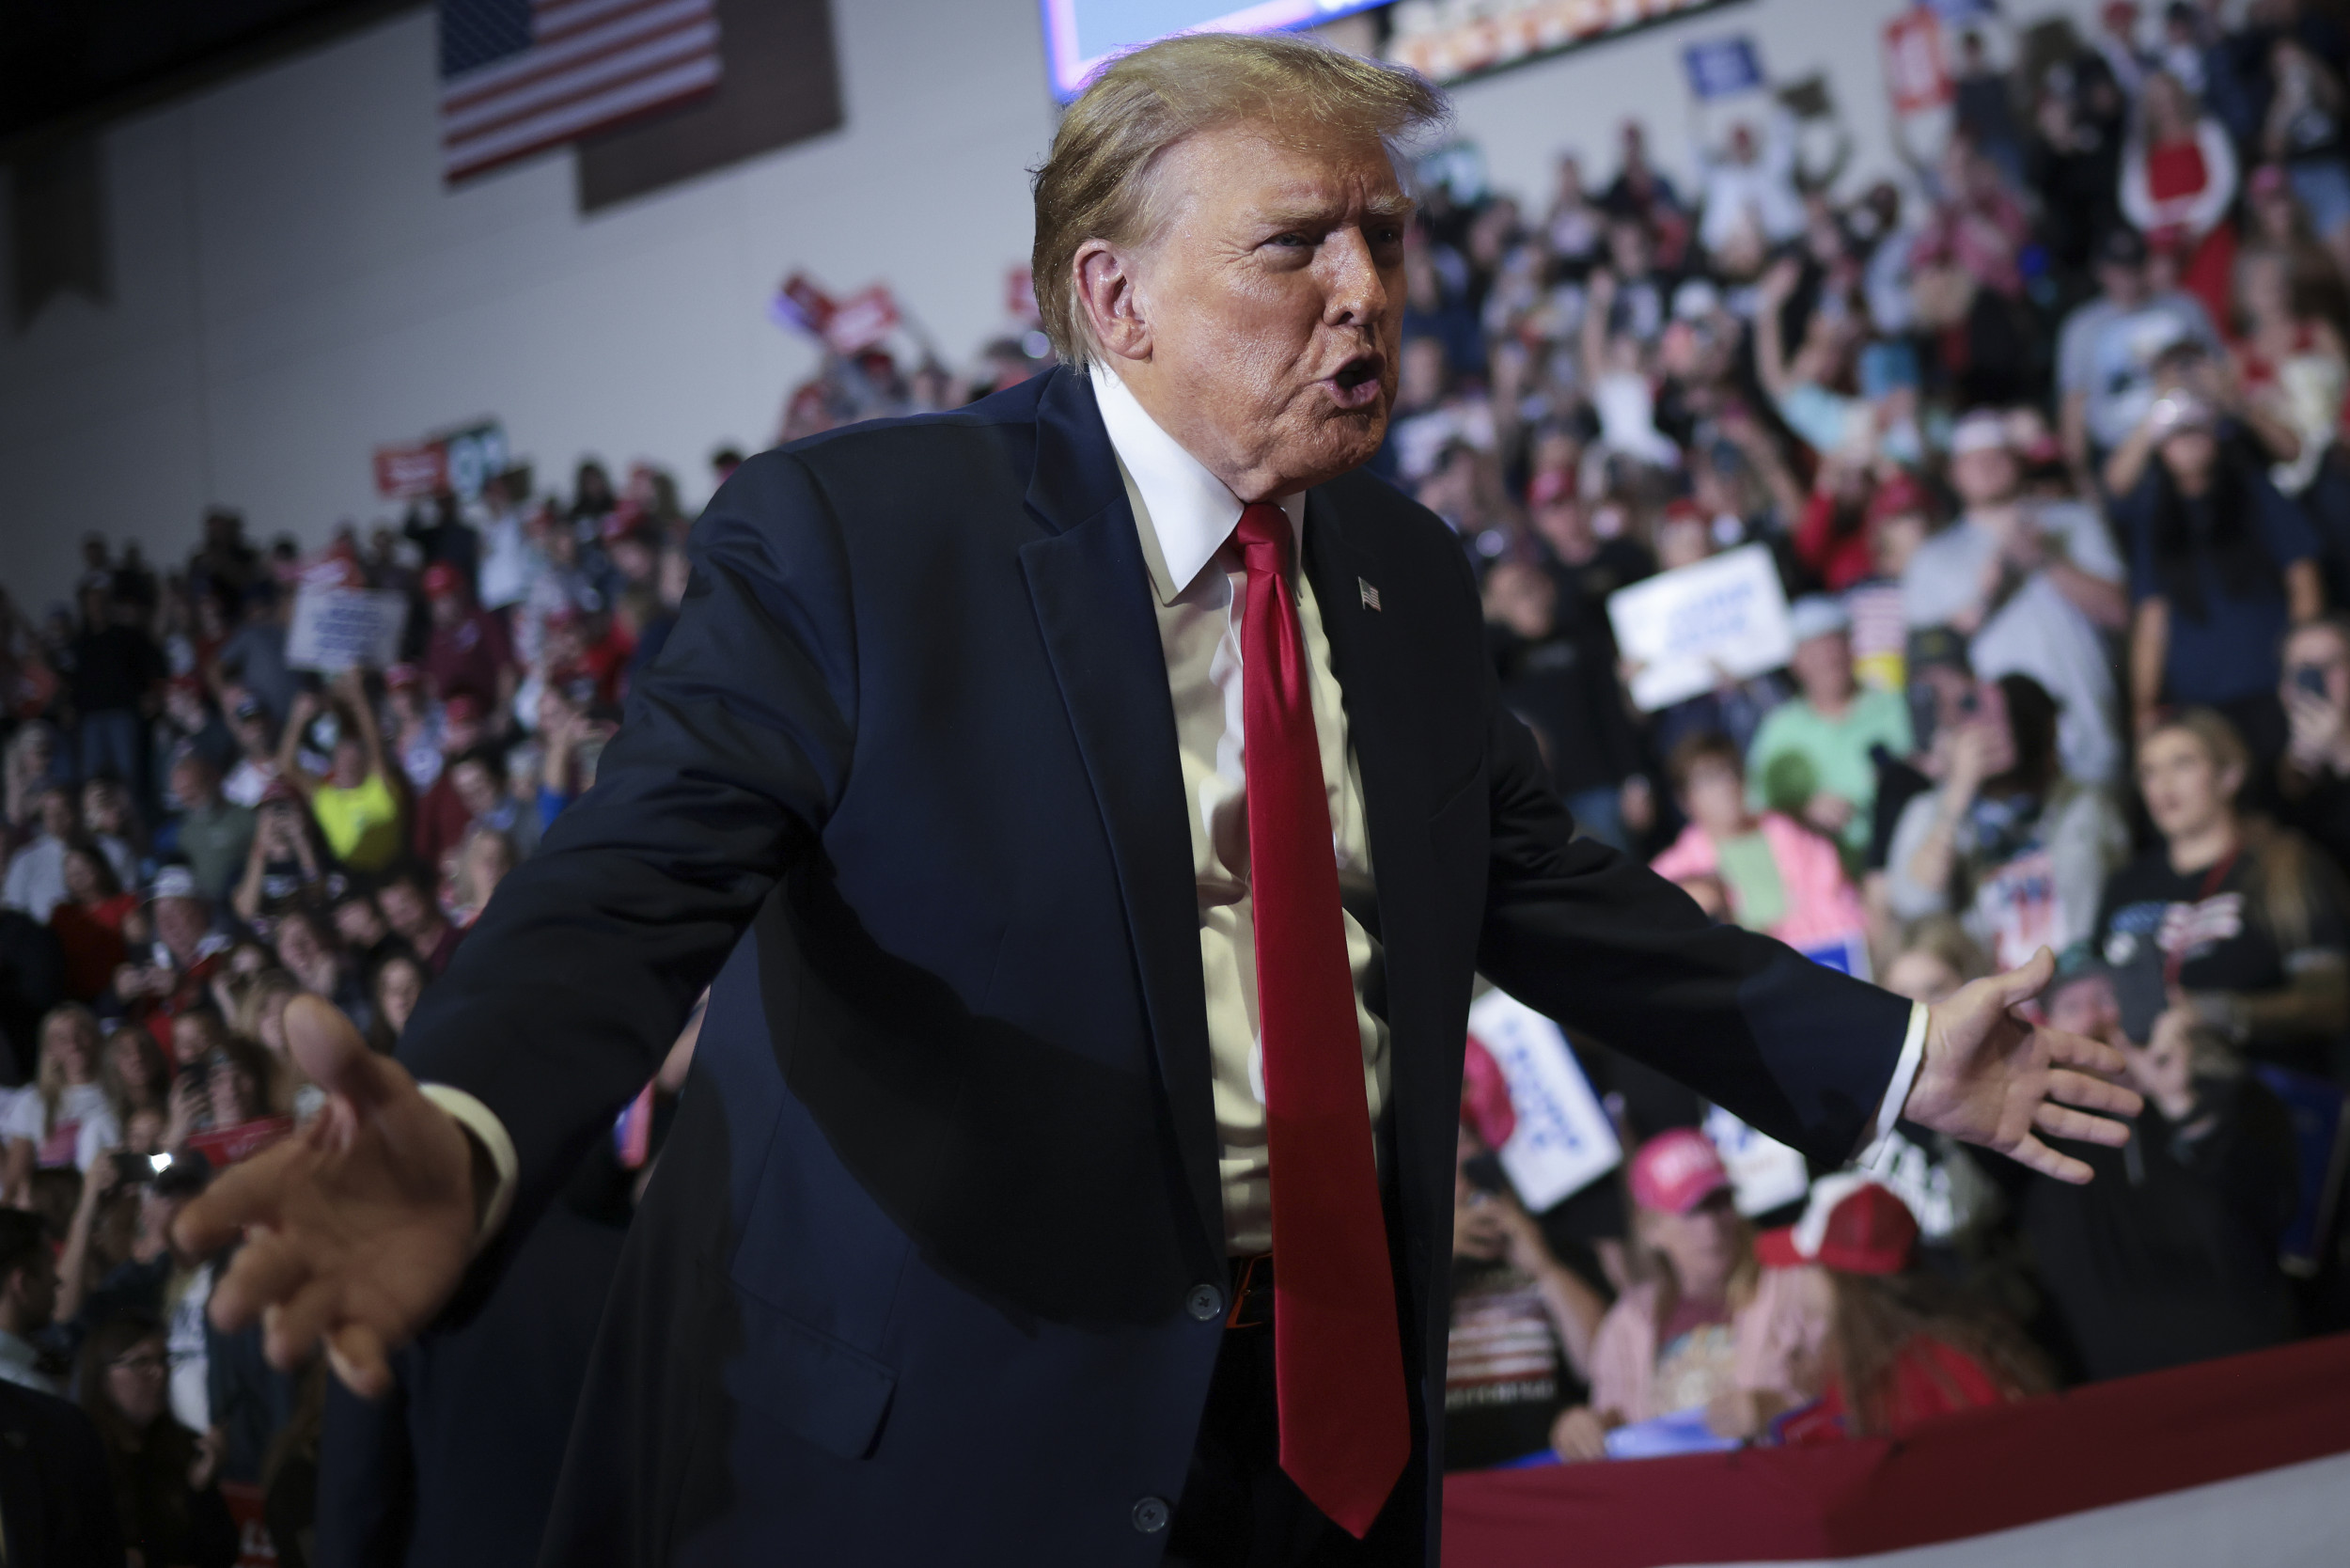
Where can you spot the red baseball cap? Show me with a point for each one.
(440, 580)
(1677, 1171)
(403, 674)
(462, 708)
(1852, 1224)
(1548, 486)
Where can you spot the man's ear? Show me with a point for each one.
(1104, 280)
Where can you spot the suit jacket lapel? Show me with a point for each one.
(1340, 566)
(1422, 1084)
(1091, 591)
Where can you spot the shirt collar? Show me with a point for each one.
(1185, 513)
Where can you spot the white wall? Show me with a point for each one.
(293, 286)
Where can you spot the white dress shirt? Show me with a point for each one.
(1185, 517)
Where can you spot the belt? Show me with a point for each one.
(1252, 1293)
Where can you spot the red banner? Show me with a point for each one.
(862, 321)
(2193, 1437)
(227, 1145)
(1915, 72)
(411, 469)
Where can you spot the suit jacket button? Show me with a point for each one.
(1204, 1302)
(1150, 1515)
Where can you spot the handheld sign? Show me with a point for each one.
(1688, 630)
(339, 629)
(1562, 1141)
(1764, 1173)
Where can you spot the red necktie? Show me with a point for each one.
(1338, 1357)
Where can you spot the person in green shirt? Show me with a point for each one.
(1810, 758)
(357, 806)
(214, 834)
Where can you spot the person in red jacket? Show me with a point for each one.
(1888, 1346)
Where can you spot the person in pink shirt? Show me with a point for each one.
(1704, 1331)
(1781, 877)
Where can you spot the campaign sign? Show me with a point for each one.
(1686, 631)
(1915, 76)
(862, 321)
(1562, 1141)
(1764, 1173)
(411, 469)
(1720, 68)
(227, 1145)
(338, 629)
(1847, 955)
(457, 461)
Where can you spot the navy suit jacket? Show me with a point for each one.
(910, 1284)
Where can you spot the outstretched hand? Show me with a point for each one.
(356, 1229)
(1989, 1077)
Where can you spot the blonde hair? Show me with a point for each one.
(2220, 743)
(1942, 938)
(2289, 879)
(1095, 183)
(49, 1078)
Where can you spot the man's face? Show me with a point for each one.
(1261, 324)
(298, 947)
(192, 781)
(475, 787)
(180, 923)
(58, 818)
(1985, 476)
(358, 922)
(253, 734)
(403, 908)
(1823, 666)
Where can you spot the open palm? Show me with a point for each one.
(1988, 1076)
(357, 1230)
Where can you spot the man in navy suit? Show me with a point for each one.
(1093, 806)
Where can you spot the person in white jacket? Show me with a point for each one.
(2179, 175)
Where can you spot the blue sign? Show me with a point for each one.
(1721, 67)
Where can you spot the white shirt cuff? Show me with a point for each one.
(1896, 1091)
(482, 1122)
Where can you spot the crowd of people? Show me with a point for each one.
(200, 831)
(2043, 449)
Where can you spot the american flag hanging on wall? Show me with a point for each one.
(520, 75)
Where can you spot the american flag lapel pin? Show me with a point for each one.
(1370, 595)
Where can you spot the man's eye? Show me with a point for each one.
(1291, 239)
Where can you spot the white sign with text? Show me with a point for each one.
(1562, 1141)
(338, 629)
(1686, 631)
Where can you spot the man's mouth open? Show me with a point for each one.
(1357, 384)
